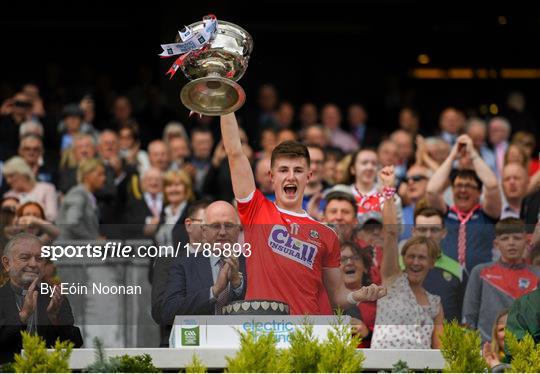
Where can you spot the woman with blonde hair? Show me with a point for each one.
(20, 177)
(409, 317)
(493, 352)
(177, 194)
(78, 215)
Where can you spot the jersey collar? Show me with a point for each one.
(290, 212)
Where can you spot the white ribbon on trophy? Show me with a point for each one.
(191, 41)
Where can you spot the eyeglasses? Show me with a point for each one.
(218, 226)
(414, 178)
(346, 259)
(466, 186)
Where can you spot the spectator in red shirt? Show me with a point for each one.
(355, 267)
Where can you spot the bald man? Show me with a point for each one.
(198, 282)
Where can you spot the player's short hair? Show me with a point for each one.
(510, 226)
(290, 149)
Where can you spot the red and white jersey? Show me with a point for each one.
(370, 202)
(288, 253)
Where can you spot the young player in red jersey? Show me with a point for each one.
(292, 256)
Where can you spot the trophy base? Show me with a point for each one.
(256, 307)
(213, 96)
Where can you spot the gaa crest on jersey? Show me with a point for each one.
(284, 244)
(314, 234)
(524, 283)
(294, 228)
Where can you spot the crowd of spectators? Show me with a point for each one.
(464, 217)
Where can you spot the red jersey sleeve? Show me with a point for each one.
(250, 206)
(332, 256)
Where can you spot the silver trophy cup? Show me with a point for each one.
(213, 72)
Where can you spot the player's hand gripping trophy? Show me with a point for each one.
(213, 55)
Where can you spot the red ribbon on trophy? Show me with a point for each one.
(191, 43)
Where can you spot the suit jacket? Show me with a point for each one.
(159, 269)
(78, 216)
(188, 288)
(134, 209)
(11, 325)
(159, 273)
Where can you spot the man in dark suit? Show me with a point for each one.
(199, 284)
(23, 307)
(189, 231)
(143, 203)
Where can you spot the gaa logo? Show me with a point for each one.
(169, 51)
(190, 335)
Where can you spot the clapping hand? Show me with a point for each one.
(234, 272)
(54, 305)
(30, 301)
(222, 280)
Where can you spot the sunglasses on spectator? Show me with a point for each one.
(415, 178)
(346, 259)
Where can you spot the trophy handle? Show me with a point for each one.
(213, 96)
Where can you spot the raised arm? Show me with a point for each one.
(492, 204)
(439, 181)
(241, 174)
(390, 257)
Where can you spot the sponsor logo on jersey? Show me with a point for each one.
(524, 283)
(283, 243)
